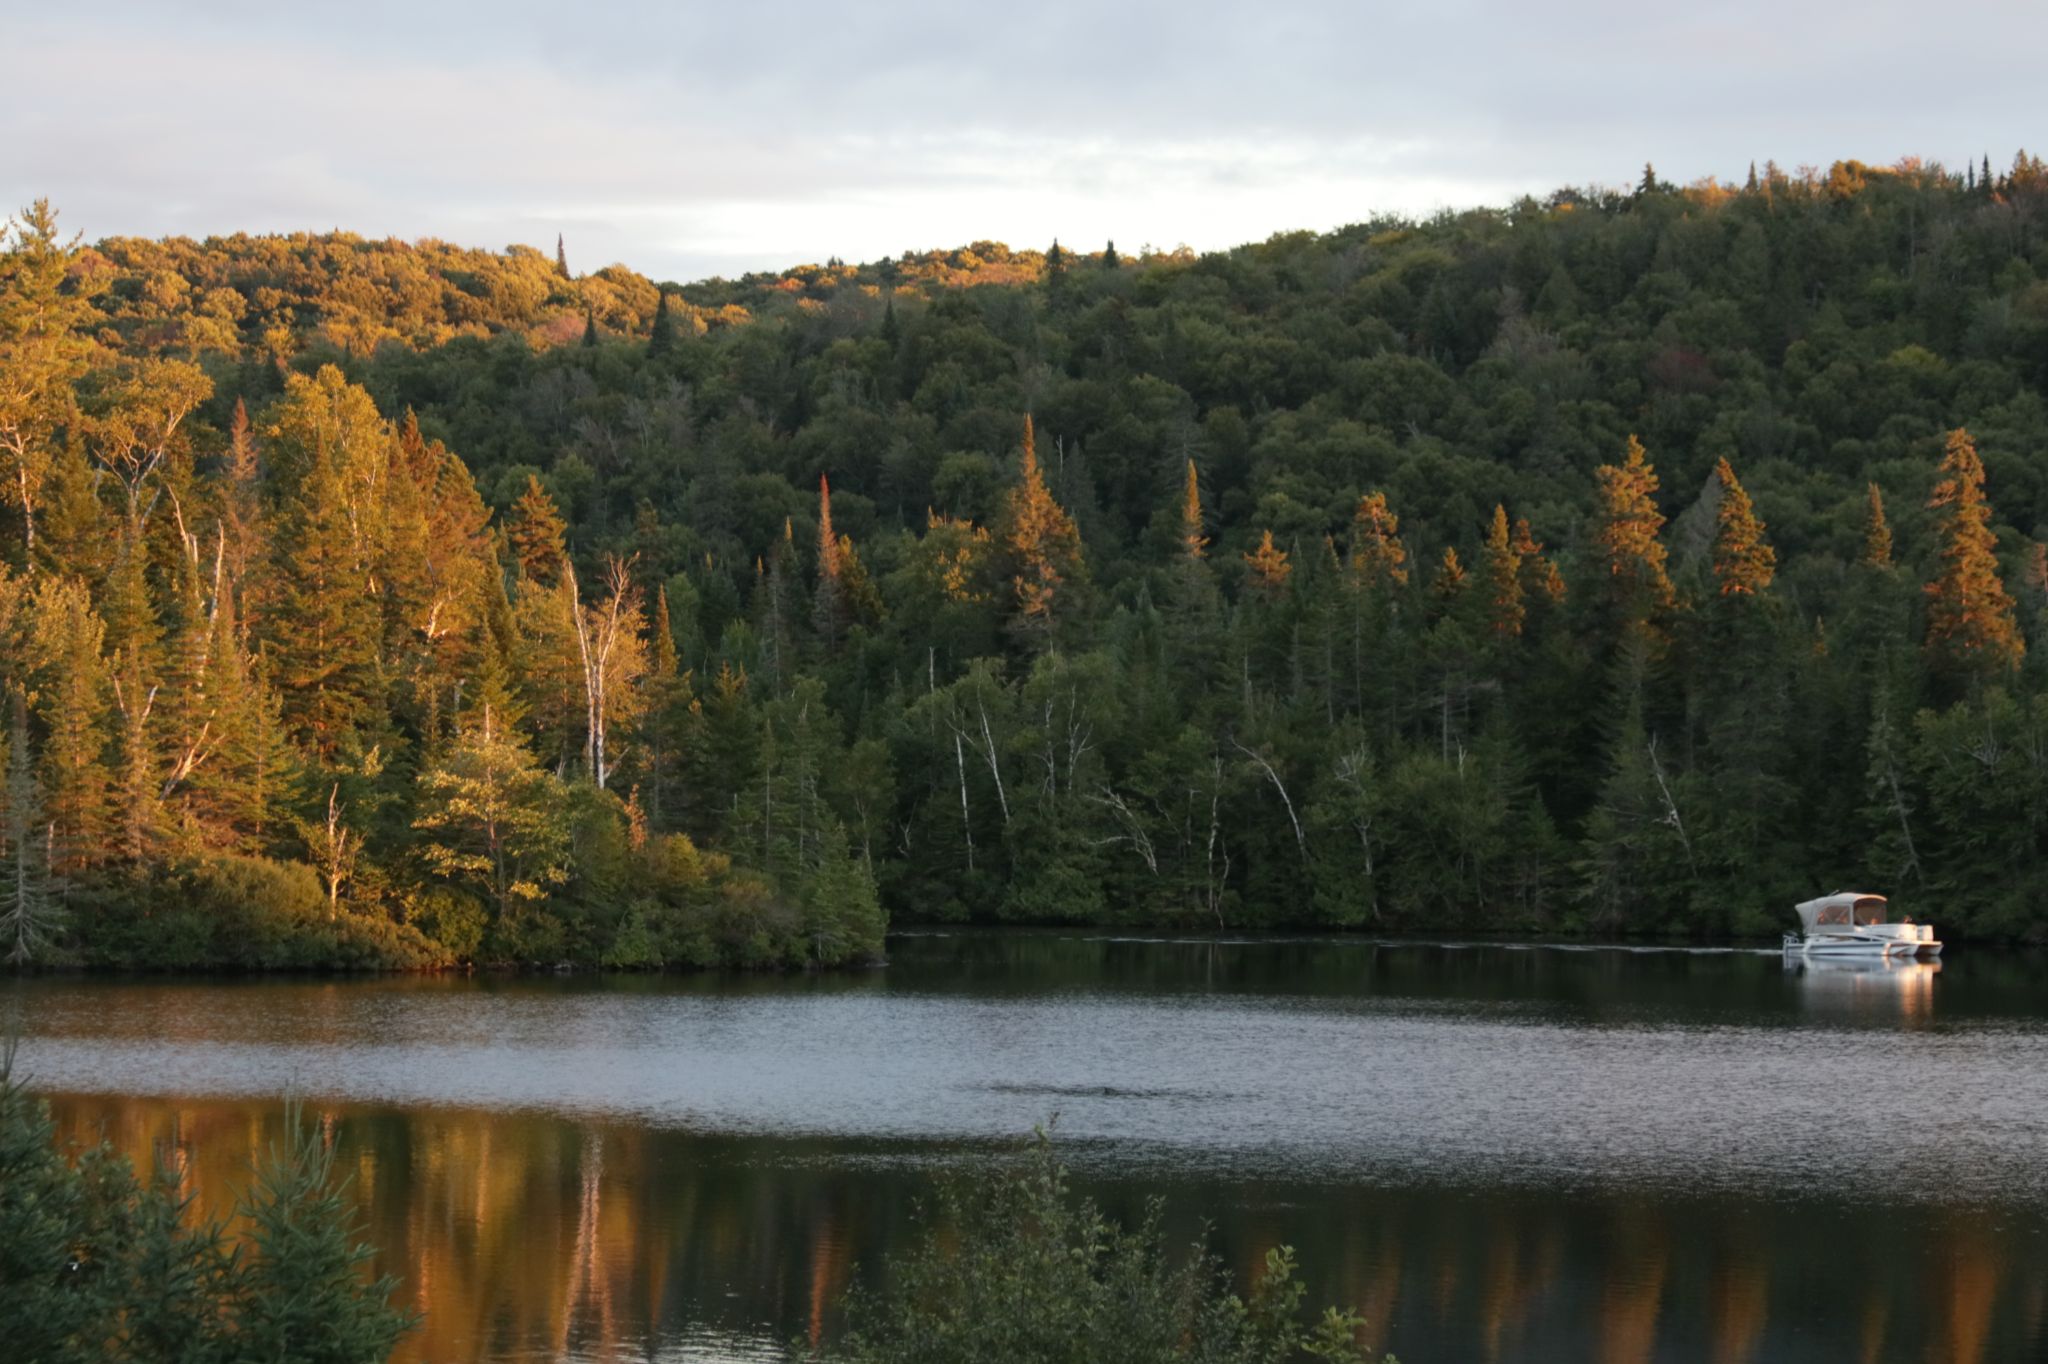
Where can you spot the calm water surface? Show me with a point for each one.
(1495, 1153)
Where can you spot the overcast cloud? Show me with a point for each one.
(690, 139)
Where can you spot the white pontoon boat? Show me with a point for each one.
(1846, 924)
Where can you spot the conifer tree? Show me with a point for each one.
(45, 347)
(1541, 582)
(1501, 568)
(1378, 558)
(1193, 544)
(29, 919)
(662, 339)
(65, 641)
(1626, 535)
(1268, 565)
(1043, 546)
(489, 816)
(828, 603)
(589, 330)
(1971, 628)
(1744, 562)
(1448, 582)
(1877, 532)
(535, 533)
(666, 706)
(323, 638)
(1110, 259)
(561, 257)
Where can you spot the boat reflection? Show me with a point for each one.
(1892, 988)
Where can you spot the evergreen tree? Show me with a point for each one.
(561, 258)
(1972, 632)
(1044, 550)
(29, 919)
(1110, 259)
(489, 816)
(1501, 569)
(535, 532)
(65, 641)
(1636, 589)
(1877, 532)
(828, 603)
(1378, 558)
(322, 640)
(1744, 562)
(45, 347)
(1269, 566)
(662, 339)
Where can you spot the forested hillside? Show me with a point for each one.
(1625, 562)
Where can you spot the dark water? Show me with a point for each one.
(1515, 1154)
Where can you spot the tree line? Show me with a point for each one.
(1624, 562)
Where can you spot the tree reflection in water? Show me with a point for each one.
(526, 1235)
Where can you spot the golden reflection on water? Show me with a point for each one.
(525, 1235)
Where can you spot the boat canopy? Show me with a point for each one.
(1844, 909)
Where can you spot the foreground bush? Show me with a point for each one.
(1018, 1271)
(95, 1265)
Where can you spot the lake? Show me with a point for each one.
(1494, 1152)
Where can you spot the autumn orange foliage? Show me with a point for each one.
(1744, 562)
(1971, 625)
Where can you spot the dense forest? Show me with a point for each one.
(1624, 562)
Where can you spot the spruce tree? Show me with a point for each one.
(535, 532)
(1972, 632)
(323, 639)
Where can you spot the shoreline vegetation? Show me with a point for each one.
(100, 1262)
(1627, 563)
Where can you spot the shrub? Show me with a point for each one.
(1027, 1274)
(97, 1266)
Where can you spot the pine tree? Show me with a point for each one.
(1971, 628)
(1110, 259)
(488, 814)
(1501, 568)
(662, 339)
(589, 330)
(1744, 562)
(535, 533)
(1877, 533)
(1044, 548)
(561, 257)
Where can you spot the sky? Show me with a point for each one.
(688, 139)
